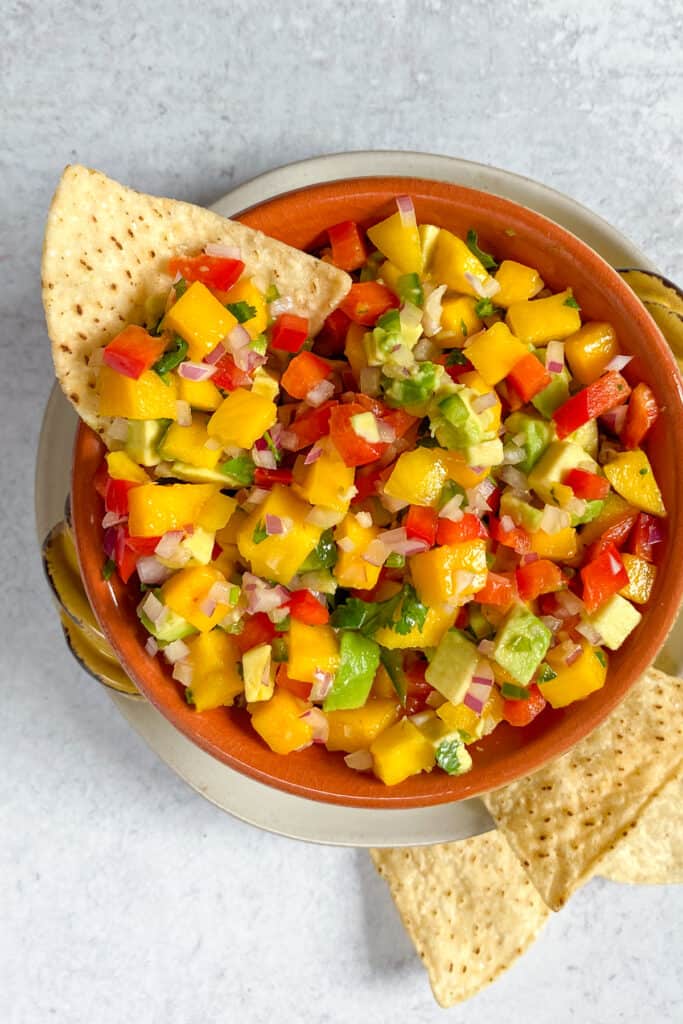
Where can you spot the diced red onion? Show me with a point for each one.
(484, 289)
(656, 531)
(183, 413)
(221, 592)
(151, 571)
(322, 684)
(452, 509)
(431, 317)
(569, 602)
(376, 553)
(486, 647)
(387, 434)
(551, 622)
(320, 393)
(182, 672)
(313, 455)
(592, 635)
(260, 596)
(477, 469)
(151, 646)
(479, 689)
(346, 544)
(176, 651)
(554, 357)
(152, 607)
(519, 440)
(529, 557)
(614, 419)
(264, 459)
(110, 519)
(483, 402)
(277, 525)
(512, 455)
(215, 354)
(575, 507)
(196, 371)
(364, 519)
(514, 478)
(256, 496)
(207, 607)
(359, 760)
(169, 544)
(324, 517)
(318, 722)
(223, 252)
(507, 523)
(618, 363)
(118, 429)
(370, 377)
(574, 654)
(238, 339)
(406, 211)
(278, 614)
(425, 349)
(109, 541)
(397, 541)
(554, 519)
(247, 359)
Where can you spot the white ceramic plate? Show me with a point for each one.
(246, 799)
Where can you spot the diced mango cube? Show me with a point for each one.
(631, 476)
(459, 316)
(187, 590)
(389, 274)
(200, 319)
(278, 556)
(351, 570)
(120, 466)
(590, 349)
(242, 418)
(311, 649)
(215, 677)
(279, 723)
(489, 418)
(575, 681)
(147, 398)
(539, 321)
(356, 729)
(449, 574)
(199, 394)
(153, 509)
(451, 260)
(560, 545)
(401, 751)
(518, 283)
(436, 624)
(246, 291)
(641, 578)
(188, 444)
(399, 242)
(494, 352)
(462, 718)
(216, 513)
(327, 481)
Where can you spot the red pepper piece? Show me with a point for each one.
(116, 496)
(304, 372)
(213, 271)
(228, 375)
(517, 538)
(367, 301)
(539, 577)
(521, 712)
(500, 589)
(269, 477)
(648, 531)
(330, 339)
(616, 534)
(133, 351)
(306, 608)
(313, 425)
(421, 523)
(587, 485)
(348, 247)
(289, 332)
(417, 687)
(641, 415)
(258, 629)
(527, 377)
(603, 577)
(295, 686)
(354, 450)
(603, 394)
(468, 528)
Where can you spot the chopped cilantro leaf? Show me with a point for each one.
(170, 359)
(546, 673)
(452, 756)
(643, 471)
(189, 696)
(108, 569)
(571, 301)
(180, 288)
(395, 561)
(484, 308)
(277, 454)
(241, 311)
(260, 533)
(456, 357)
(412, 614)
(393, 665)
(512, 692)
(463, 328)
(485, 258)
(600, 655)
(410, 289)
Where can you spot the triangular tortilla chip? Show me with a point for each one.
(651, 854)
(105, 254)
(563, 819)
(468, 907)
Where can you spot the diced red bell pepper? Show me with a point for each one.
(421, 523)
(539, 577)
(399, 420)
(289, 332)
(100, 479)
(228, 375)
(348, 247)
(603, 394)
(331, 338)
(517, 538)
(214, 271)
(269, 477)
(306, 608)
(616, 534)
(602, 578)
(303, 373)
(648, 531)
(500, 589)
(587, 485)
(527, 377)
(367, 301)
(463, 618)
(367, 480)
(417, 687)
(116, 496)
(133, 351)
(468, 528)
(354, 450)
(257, 630)
(124, 556)
(456, 370)
(313, 425)
(641, 414)
(522, 712)
(142, 545)
(295, 686)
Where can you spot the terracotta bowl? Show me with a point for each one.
(513, 232)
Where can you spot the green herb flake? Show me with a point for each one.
(277, 454)
(450, 490)
(241, 469)
(449, 756)
(410, 289)
(395, 561)
(600, 655)
(189, 697)
(279, 649)
(180, 288)
(108, 569)
(571, 302)
(241, 311)
(463, 328)
(643, 471)
(272, 293)
(370, 271)
(512, 692)
(412, 612)
(485, 258)
(546, 674)
(456, 357)
(393, 664)
(171, 359)
(260, 533)
(485, 308)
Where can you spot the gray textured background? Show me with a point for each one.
(124, 896)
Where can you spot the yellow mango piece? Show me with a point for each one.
(188, 444)
(542, 320)
(590, 349)
(216, 513)
(449, 574)
(399, 243)
(417, 477)
(147, 398)
(576, 681)
(518, 283)
(354, 350)
(436, 625)
(265, 384)
(631, 476)
(401, 751)
(614, 509)
(382, 686)
(215, 677)
(153, 509)
(327, 481)
(458, 315)
(641, 578)
(246, 291)
(558, 546)
(227, 535)
(242, 418)
(120, 466)
(462, 718)
(356, 729)
(490, 418)
(351, 570)
(311, 649)
(199, 394)
(226, 562)
(494, 352)
(279, 556)
(390, 274)
(451, 260)
(200, 319)
(279, 723)
(492, 713)
(186, 591)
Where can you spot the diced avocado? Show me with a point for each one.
(198, 475)
(586, 437)
(428, 236)
(554, 395)
(364, 424)
(358, 663)
(380, 343)
(486, 453)
(591, 512)
(433, 728)
(200, 545)
(478, 623)
(449, 748)
(521, 512)
(537, 436)
(462, 426)
(143, 440)
(615, 620)
(547, 475)
(452, 666)
(521, 644)
(417, 388)
(258, 672)
(172, 627)
(323, 556)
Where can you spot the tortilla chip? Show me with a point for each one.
(563, 819)
(105, 255)
(652, 854)
(468, 907)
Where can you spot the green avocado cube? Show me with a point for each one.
(554, 395)
(142, 440)
(521, 644)
(521, 512)
(615, 620)
(547, 475)
(452, 666)
(537, 436)
(463, 424)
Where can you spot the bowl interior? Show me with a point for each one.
(510, 231)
